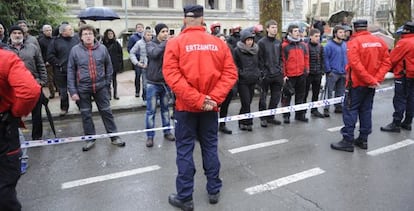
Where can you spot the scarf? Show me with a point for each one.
(250, 50)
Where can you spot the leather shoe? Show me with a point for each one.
(225, 130)
(52, 95)
(274, 122)
(187, 205)
(286, 120)
(392, 127)
(263, 123)
(326, 113)
(361, 143)
(318, 114)
(214, 198)
(150, 142)
(63, 113)
(169, 137)
(249, 127)
(116, 140)
(116, 97)
(343, 145)
(302, 119)
(338, 110)
(406, 127)
(89, 145)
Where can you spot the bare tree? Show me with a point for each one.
(271, 9)
(402, 12)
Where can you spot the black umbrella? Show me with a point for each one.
(98, 14)
(338, 17)
(45, 101)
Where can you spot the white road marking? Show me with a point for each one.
(257, 146)
(284, 181)
(336, 129)
(391, 147)
(102, 178)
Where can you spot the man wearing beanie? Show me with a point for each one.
(32, 58)
(200, 85)
(156, 87)
(363, 76)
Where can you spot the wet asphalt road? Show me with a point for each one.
(344, 181)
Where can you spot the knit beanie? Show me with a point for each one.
(15, 27)
(159, 27)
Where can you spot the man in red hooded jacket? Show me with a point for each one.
(200, 70)
(402, 59)
(19, 93)
(368, 62)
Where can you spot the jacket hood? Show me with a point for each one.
(246, 33)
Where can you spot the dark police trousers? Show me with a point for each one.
(9, 163)
(403, 100)
(357, 102)
(189, 127)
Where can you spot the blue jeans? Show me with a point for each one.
(335, 82)
(154, 92)
(189, 127)
(357, 103)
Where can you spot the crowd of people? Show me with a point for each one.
(84, 68)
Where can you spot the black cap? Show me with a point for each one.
(409, 26)
(193, 11)
(14, 28)
(360, 23)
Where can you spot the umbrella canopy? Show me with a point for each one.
(338, 17)
(387, 39)
(98, 14)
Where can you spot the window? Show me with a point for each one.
(314, 7)
(166, 3)
(189, 2)
(140, 3)
(211, 4)
(239, 4)
(287, 5)
(112, 2)
(72, 1)
(324, 9)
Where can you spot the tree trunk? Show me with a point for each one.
(271, 9)
(402, 12)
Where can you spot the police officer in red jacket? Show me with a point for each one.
(368, 62)
(19, 93)
(402, 59)
(200, 85)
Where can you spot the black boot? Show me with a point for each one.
(224, 129)
(361, 143)
(406, 124)
(394, 127)
(343, 145)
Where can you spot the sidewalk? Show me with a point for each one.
(126, 93)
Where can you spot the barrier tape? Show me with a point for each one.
(54, 141)
(299, 107)
(304, 106)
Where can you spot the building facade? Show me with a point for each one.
(170, 12)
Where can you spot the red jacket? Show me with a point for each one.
(404, 50)
(295, 57)
(19, 91)
(197, 64)
(368, 59)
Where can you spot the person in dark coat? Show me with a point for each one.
(247, 62)
(44, 42)
(115, 51)
(57, 55)
(316, 69)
